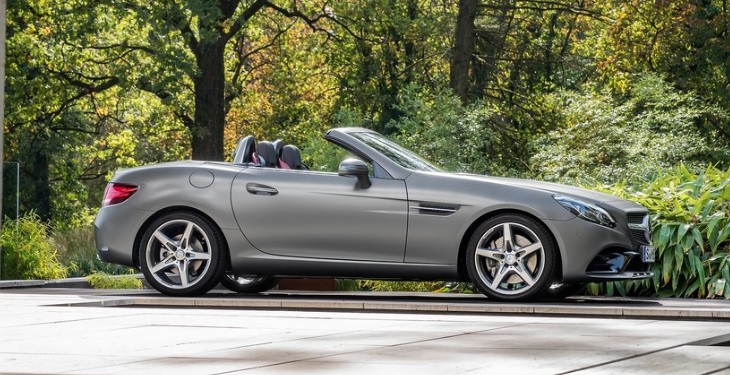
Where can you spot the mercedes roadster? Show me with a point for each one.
(386, 213)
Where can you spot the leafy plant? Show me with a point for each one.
(400, 286)
(691, 228)
(629, 138)
(416, 286)
(462, 139)
(27, 251)
(101, 280)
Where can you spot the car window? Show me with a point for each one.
(395, 152)
(325, 156)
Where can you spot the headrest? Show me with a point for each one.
(291, 157)
(265, 151)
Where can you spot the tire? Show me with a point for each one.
(520, 269)
(563, 290)
(182, 243)
(240, 284)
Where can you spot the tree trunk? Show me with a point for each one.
(207, 131)
(463, 47)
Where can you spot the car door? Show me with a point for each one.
(321, 215)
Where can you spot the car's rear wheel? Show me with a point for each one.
(182, 254)
(241, 284)
(511, 257)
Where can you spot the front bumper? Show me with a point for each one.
(591, 252)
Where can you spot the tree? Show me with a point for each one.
(290, 89)
(685, 41)
(384, 46)
(629, 138)
(91, 86)
(194, 39)
(461, 54)
(68, 121)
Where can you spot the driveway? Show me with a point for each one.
(83, 331)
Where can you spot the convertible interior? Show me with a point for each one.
(267, 154)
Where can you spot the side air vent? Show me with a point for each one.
(435, 209)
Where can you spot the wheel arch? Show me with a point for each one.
(461, 260)
(167, 210)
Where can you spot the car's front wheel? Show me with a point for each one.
(240, 284)
(564, 290)
(182, 254)
(511, 257)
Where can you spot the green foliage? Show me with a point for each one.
(458, 138)
(73, 114)
(321, 155)
(101, 280)
(610, 139)
(77, 252)
(28, 253)
(384, 46)
(401, 286)
(347, 285)
(691, 228)
(415, 286)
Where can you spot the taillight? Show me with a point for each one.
(117, 193)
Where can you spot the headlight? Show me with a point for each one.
(586, 211)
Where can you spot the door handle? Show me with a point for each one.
(259, 189)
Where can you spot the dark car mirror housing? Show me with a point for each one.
(355, 168)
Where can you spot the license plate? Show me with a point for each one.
(648, 254)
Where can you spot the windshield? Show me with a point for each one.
(395, 152)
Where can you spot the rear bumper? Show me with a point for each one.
(116, 229)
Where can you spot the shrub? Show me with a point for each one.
(416, 286)
(27, 251)
(400, 286)
(629, 138)
(457, 138)
(101, 280)
(691, 227)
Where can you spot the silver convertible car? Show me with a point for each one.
(385, 214)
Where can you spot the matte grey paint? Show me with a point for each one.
(360, 224)
(305, 223)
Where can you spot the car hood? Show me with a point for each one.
(572, 191)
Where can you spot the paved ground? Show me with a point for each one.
(82, 331)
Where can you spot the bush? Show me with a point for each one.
(415, 286)
(454, 137)
(101, 280)
(77, 252)
(611, 139)
(400, 286)
(28, 253)
(691, 227)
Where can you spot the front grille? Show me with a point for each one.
(639, 227)
(639, 236)
(635, 218)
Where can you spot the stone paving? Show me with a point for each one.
(68, 331)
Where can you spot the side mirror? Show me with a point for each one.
(355, 168)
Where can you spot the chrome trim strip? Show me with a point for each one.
(643, 226)
(421, 208)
